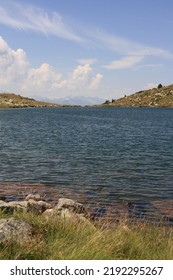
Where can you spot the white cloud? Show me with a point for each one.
(27, 17)
(125, 62)
(80, 80)
(151, 85)
(125, 46)
(96, 81)
(13, 64)
(41, 78)
(131, 52)
(87, 61)
(16, 75)
(149, 65)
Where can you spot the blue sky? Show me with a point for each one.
(95, 48)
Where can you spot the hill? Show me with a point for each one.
(156, 97)
(11, 100)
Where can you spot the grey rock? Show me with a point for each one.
(69, 210)
(72, 206)
(37, 207)
(67, 215)
(14, 230)
(35, 197)
(51, 213)
(10, 207)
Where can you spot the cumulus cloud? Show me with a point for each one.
(17, 75)
(96, 81)
(80, 80)
(13, 64)
(42, 75)
(29, 17)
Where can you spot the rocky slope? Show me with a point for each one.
(156, 97)
(11, 100)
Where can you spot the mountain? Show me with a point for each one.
(11, 100)
(73, 100)
(162, 96)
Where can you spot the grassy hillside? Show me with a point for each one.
(61, 239)
(11, 100)
(156, 97)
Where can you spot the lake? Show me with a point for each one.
(107, 154)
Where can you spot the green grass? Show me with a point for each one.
(62, 240)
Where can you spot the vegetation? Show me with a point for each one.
(156, 97)
(11, 100)
(160, 86)
(62, 240)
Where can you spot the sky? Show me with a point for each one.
(94, 48)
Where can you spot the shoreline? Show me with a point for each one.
(151, 211)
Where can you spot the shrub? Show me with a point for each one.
(160, 86)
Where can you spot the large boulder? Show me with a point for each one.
(29, 205)
(72, 206)
(14, 230)
(70, 210)
(37, 207)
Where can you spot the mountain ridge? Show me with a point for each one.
(12, 100)
(162, 96)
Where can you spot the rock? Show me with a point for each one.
(68, 209)
(66, 214)
(72, 206)
(13, 229)
(37, 207)
(35, 197)
(51, 213)
(10, 207)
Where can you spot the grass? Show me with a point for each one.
(64, 240)
(156, 97)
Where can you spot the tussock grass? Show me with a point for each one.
(61, 240)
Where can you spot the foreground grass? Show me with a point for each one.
(69, 240)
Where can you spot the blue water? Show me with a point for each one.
(107, 154)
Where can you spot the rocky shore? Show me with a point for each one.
(12, 228)
(68, 209)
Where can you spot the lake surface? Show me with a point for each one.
(107, 154)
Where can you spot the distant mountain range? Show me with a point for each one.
(11, 100)
(73, 100)
(162, 96)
